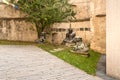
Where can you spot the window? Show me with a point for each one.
(81, 29)
(87, 29)
(53, 29)
(60, 30)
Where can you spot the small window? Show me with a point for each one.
(87, 29)
(60, 30)
(0, 30)
(53, 29)
(81, 29)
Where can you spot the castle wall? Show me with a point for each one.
(13, 25)
(98, 25)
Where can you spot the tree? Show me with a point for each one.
(46, 12)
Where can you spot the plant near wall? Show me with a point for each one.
(46, 12)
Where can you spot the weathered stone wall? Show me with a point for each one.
(81, 27)
(98, 25)
(13, 25)
(17, 30)
(91, 24)
(10, 12)
(82, 9)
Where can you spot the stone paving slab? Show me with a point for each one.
(32, 63)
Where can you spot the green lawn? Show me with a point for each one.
(81, 62)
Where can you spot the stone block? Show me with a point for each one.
(82, 11)
(100, 7)
(98, 42)
(17, 30)
(10, 12)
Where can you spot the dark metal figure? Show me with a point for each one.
(79, 47)
(43, 37)
(70, 36)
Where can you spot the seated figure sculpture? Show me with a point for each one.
(70, 36)
(42, 38)
(81, 48)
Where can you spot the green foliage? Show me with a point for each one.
(46, 12)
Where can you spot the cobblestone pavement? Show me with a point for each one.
(32, 63)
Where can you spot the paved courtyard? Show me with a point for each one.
(32, 63)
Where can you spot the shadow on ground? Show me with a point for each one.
(101, 69)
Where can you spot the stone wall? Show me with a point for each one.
(10, 12)
(81, 27)
(91, 24)
(98, 25)
(13, 25)
(82, 9)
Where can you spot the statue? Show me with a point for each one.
(81, 48)
(70, 36)
(42, 38)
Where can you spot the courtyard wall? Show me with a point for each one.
(13, 25)
(98, 25)
(90, 24)
(81, 26)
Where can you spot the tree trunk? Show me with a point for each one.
(40, 29)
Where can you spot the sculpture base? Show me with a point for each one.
(69, 44)
(85, 54)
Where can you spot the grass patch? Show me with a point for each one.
(86, 64)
